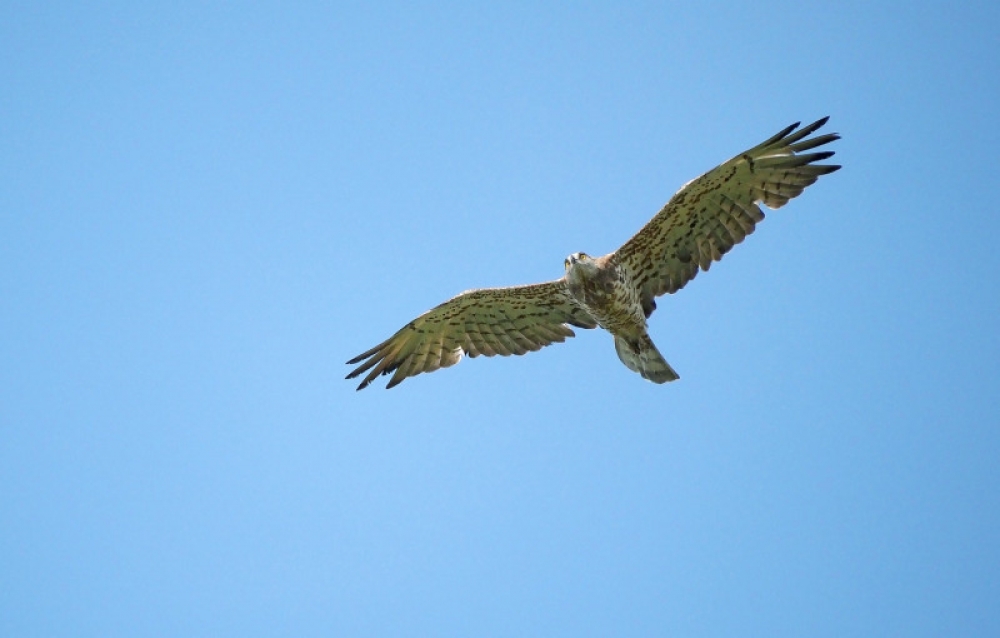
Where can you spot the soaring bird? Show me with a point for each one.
(700, 223)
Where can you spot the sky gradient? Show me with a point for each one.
(207, 208)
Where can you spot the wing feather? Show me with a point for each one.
(489, 321)
(505, 347)
(711, 214)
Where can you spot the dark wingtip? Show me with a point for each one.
(817, 124)
(780, 134)
(367, 353)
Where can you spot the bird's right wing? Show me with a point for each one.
(488, 321)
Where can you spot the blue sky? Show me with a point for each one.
(207, 208)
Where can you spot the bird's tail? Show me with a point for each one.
(642, 356)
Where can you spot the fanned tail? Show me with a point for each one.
(642, 356)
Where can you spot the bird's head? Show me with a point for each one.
(579, 265)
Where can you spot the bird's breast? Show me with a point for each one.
(609, 298)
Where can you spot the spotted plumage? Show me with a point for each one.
(700, 223)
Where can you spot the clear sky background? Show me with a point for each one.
(205, 209)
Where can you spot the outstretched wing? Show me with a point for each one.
(711, 214)
(488, 321)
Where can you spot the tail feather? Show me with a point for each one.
(642, 356)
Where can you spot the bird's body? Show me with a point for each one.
(700, 223)
(608, 292)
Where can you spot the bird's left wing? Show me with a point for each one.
(489, 321)
(711, 214)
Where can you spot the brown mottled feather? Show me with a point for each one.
(490, 321)
(701, 223)
(711, 214)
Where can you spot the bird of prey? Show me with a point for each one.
(700, 223)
